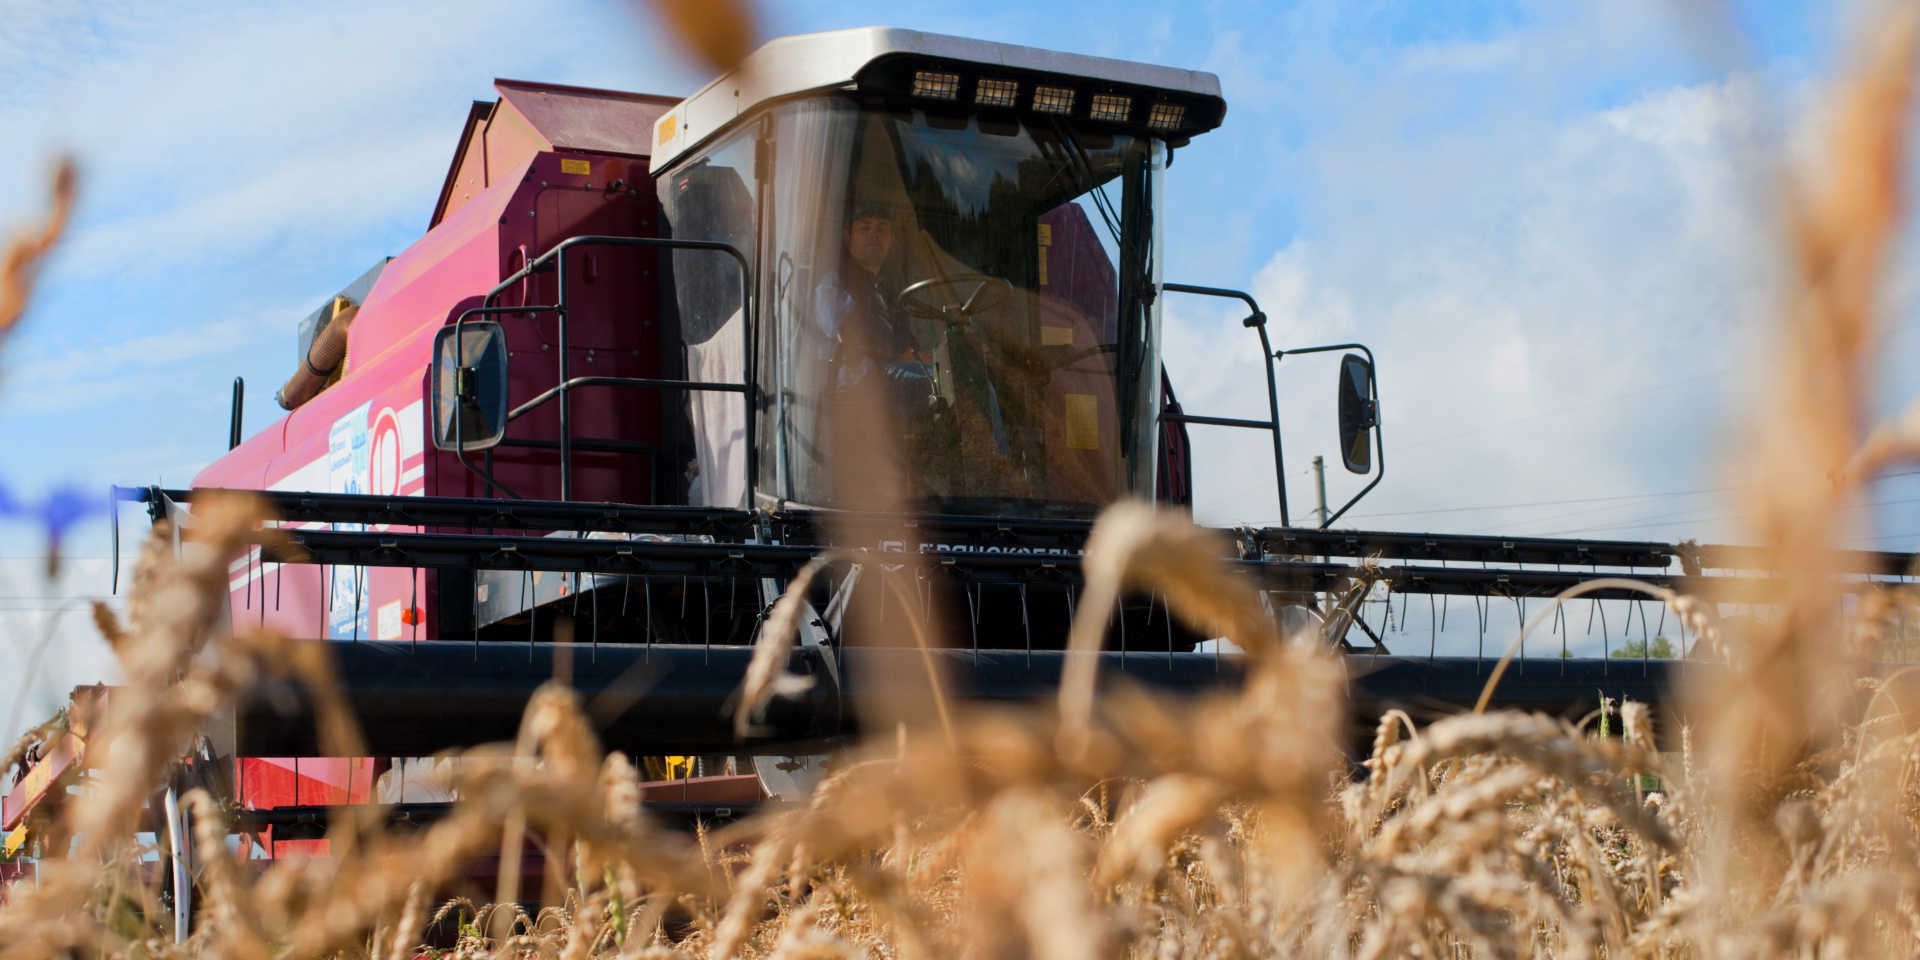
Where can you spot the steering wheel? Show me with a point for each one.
(987, 293)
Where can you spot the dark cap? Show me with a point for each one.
(870, 208)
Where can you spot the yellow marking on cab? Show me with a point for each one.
(1083, 421)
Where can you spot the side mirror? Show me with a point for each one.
(1358, 413)
(469, 380)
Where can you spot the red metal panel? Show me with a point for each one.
(614, 331)
(510, 142)
(267, 782)
(454, 265)
(613, 298)
(468, 175)
(579, 118)
(296, 848)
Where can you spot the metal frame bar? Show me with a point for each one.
(751, 561)
(364, 548)
(1467, 548)
(1258, 321)
(475, 513)
(578, 382)
(556, 261)
(234, 436)
(1379, 441)
(802, 531)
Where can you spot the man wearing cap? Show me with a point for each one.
(856, 309)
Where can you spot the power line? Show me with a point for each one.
(1542, 503)
(1890, 536)
(1648, 521)
(1583, 406)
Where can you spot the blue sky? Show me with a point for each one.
(1549, 220)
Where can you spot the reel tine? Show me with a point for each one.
(973, 618)
(1479, 616)
(1169, 619)
(1025, 622)
(1433, 631)
(1520, 611)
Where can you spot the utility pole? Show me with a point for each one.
(1320, 489)
(1320, 514)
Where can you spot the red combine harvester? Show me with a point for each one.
(598, 403)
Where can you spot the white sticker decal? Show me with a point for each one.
(390, 621)
(348, 457)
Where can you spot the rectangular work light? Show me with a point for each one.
(1166, 116)
(1109, 107)
(935, 85)
(996, 93)
(1053, 99)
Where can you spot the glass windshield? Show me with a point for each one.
(986, 276)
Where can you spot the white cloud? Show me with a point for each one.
(74, 377)
(1523, 264)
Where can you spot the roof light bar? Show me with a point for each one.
(1053, 99)
(1107, 106)
(996, 93)
(1166, 116)
(936, 85)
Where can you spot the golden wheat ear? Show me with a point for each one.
(27, 249)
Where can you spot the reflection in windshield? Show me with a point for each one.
(970, 270)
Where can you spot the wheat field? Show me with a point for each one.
(1215, 829)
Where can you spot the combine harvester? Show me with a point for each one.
(598, 401)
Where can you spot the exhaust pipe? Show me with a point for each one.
(319, 367)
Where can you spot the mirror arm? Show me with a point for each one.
(1373, 398)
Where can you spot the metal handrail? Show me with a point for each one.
(1258, 321)
(1217, 421)
(557, 258)
(578, 382)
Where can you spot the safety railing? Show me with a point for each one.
(1257, 321)
(555, 260)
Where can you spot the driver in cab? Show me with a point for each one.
(856, 309)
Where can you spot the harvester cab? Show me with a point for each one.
(962, 234)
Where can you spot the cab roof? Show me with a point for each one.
(885, 60)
